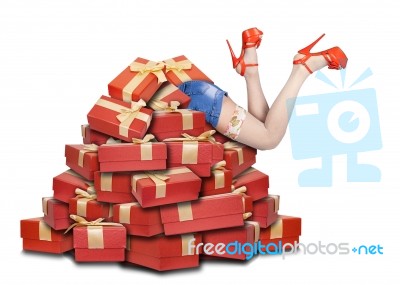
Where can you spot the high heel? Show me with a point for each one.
(335, 57)
(250, 38)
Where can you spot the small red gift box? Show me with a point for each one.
(256, 183)
(234, 239)
(165, 95)
(217, 135)
(90, 136)
(172, 123)
(82, 159)
(137, 220)
(120, 119)
(138, 81)
(179, 69)
(164, 253)
(173, 185)
(85, 205)
(265, 211)
(65, 184)
(101, 242)
(140, 155)
(56, 213)
(206, 213)
(199, 154)
(285, 230)
(219, 182)
(238, 157)
(38, 236)
(114, 187)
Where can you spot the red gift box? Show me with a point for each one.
(265, 211)
(206, 213)
(256, 183)
(82, 159)
(90, 136)
(237, 237)
(38, 236)
(179, 69)
(114, 187)
(165, 187)
(164, 253)
(238, 157)
(65, 184)
(137, 220)
(138, 81)
(141, 155)
(56, 213)
(99, 243)
(219, 182)
(171, 124)
(217, 135)
(85, 205)
(285, 230)
(120, 119)
(165, 95)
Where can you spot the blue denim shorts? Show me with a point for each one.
(205, 97)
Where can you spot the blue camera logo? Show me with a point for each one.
(329, 124)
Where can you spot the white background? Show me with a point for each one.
(57, 57)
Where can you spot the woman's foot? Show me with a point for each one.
(249, 58)
(314, 63)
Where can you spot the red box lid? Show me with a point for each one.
(133, 213)
(285, 226)
(119, 182)
(37, 229)
(164, 121)
(266, 206)
(130, 151)
(100, 237)
(64, 185)
(54, 208)
(90, 159)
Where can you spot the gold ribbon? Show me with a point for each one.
(86, 148)
(236, 147)
(45, 200)
(256, 229)
(276, 199)
(219, 175)
(185, 244)
(276, 230)
(44, 231)
(142, 71)
(95, 230)
(83, 130)
(156, 102)
(106, 181)
(126, 115)
(241, 191)
(164, 106)
(178, 68)
(185, 211)
(146, 147)
(125, 212)
(83, 198)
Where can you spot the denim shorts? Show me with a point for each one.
(205, 97)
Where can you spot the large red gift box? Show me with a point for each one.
(238, 157)
(137, 220)
(38, 236)
(120, 119)
(233, 239)
(154, 188)
(90, 136)
(82, 159)
(256, 183)
(138, 81)
(164, 253)
(206, 213)
(165, 95)
(56, 213)
(85, 205)
(172, 123)
(179, 69)
(99, 243)
(113, 187)
(65, 184)
(265, 211)
(285, 230)
(141, 155)
(219, 182)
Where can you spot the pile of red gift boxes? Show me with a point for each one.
(154, 185)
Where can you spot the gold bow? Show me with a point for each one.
(151, 67)
(130, 114)
(82, 222)
(177, 66)
(172, 107)
(219, 165)
(146, 139)
(83, 194)
(240, 190)
(204, 137)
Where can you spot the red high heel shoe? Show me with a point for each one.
(250, 38)
(335, 57)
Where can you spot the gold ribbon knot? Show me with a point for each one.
(146, 139)
(130, 114)
(82, 222)
(83, 194)
(171, 65)
(151, 67)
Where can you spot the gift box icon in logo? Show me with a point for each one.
(330, 124)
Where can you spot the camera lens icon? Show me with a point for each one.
(348, 122)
